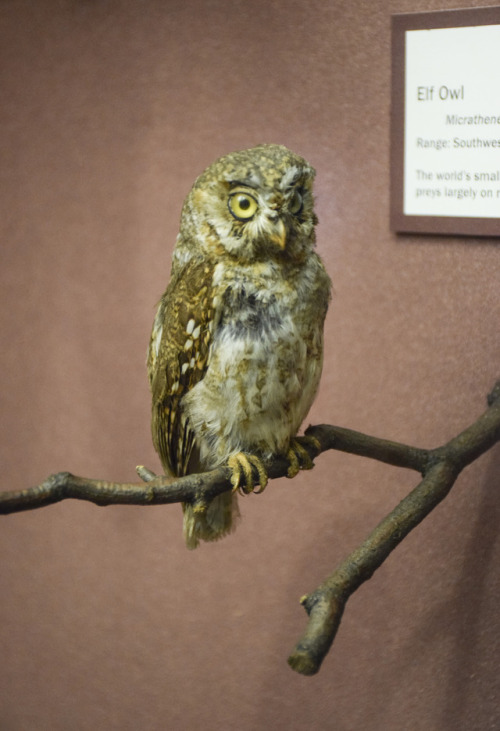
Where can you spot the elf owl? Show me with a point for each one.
(236, 350)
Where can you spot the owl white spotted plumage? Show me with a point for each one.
(236, 351)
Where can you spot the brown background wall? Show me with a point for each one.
(109, 111)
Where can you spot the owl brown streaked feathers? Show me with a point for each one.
(236, 351)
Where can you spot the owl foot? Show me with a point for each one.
(241, 467)
(299, 457)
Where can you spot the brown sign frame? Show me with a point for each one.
(401, 222)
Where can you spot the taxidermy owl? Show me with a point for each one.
(236, 350)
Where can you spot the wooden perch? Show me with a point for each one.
(439, 467)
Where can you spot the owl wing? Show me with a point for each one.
(178, 357)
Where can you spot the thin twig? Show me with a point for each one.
(440, 467)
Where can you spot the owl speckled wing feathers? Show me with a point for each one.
(178, 357)
(236, 351)
(177, 360)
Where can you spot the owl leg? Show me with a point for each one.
(298, 456)
(241, 465)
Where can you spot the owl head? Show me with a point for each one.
(254, 204)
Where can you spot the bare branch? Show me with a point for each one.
(154, 490)
(203, 487)
(440, 467)
(347, 440)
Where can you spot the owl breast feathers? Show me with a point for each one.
(236, 350)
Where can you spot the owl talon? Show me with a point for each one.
(312, 441)
(200, 506)
(261, 472)
(294, 465)
(298, 455)
(241, 466)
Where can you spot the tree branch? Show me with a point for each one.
(198, 489)
(440, 467)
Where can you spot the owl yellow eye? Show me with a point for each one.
(295, 203)
(242, 206)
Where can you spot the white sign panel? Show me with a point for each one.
(445, 122)
(452, 122)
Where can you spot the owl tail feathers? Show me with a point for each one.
(217, 521)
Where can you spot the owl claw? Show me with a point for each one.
(294, 465)
(299, 457)
(241, 466)
(199, 506)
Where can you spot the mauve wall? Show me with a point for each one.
(109, 111)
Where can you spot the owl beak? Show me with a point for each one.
(278, 236)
